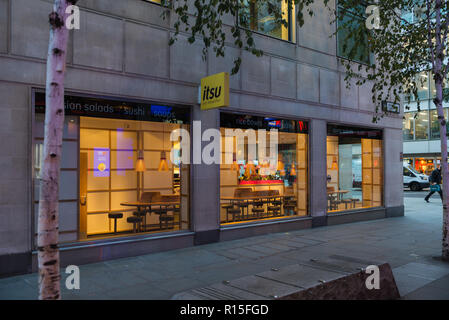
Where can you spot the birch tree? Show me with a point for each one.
(48, 220)
(400, 47)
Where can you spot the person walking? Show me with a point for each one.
(435, 179)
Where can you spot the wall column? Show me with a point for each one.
(393, 179)
(205, 188)
(318, 165)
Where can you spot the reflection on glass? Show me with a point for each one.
(256, 15)
(422, 125)
(435, 124)
(408, 126)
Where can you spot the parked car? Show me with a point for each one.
(414, 180)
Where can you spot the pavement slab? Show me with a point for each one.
(275, 263)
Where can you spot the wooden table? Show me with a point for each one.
(140, 205)
(338, 193)
(249, 199)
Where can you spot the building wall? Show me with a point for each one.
(122, 50)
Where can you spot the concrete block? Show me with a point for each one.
(349, 97)
(146, 50)
(255, 73)
(143, 11)
(352, 287)
(273, 46)
(308, 85)
(4, 30)
(99, 42)
(186, 61)
(225, 64)
(316, 33)
(316, 58)
(283, 78)
(365, 97)
(329, 87)
(30, 30)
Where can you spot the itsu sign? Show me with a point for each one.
(214, 91)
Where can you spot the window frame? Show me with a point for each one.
(291, 24)
(370, 57)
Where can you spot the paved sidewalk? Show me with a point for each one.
(408, 243)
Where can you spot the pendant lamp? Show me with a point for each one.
(293, 170)
(140, 163)
(163, 165)
(234, 165)
(334, 163)
(280, 166)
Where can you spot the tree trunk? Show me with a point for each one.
(438, 101)
(48, 222)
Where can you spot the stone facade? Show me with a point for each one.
(122, 51)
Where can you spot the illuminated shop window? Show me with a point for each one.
(260, 187)
(117, 178)
(354, 169)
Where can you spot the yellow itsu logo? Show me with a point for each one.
(215, 91)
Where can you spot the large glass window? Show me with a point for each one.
(354, 169)
(258, 16)
(416, 125)
(422, 125)
(435, 124)
(408, 126)
(117, 178)
(352, 35)
(266, 174)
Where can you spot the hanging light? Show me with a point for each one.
(163, 165)
(334, 163)
(140, 163)
(234, 165)
(280, 166)
(293, 170)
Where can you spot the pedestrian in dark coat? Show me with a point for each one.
(434, 179)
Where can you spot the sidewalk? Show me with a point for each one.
(407, 243)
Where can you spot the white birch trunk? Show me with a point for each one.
(438, 101)
(48, 222)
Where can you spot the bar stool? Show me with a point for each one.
(166, 219)
(134, 220)
(346, 203)
(161, 212)
(142, 214)
(257, 208)
(242, 205)
(354, 202)
(115, 216)
(233, 211)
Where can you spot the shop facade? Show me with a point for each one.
(124, 189)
